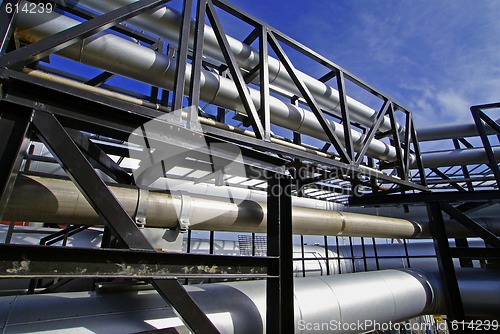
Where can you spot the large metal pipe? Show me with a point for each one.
(351, 303)
(165, 22)
(457, 157)
(126, 58)
(451, 131)
(59, 201)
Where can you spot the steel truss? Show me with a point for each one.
(36, 109)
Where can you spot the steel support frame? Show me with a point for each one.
(279, 291)
(271, 36)
(117, 119)
(479, 116)
(113, 215)
(104, 262)
(445, 262)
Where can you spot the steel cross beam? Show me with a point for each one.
(112, 213)
(33, 52)
(104, 262)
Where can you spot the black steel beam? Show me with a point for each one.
(447, 178)
(279, 292)
(446, 267)
(54, 261)
(14, 141)
(38, 50)
(185, 306)
(462, 243)
(463, 219)
(475, 253)
(105, 163)
(100, 79)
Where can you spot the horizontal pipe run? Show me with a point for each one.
(429, 159)
(59, 201)
(451, 131)
(126, 58)
(40, 199)
(458, 157)
(357, 300)
(165, 22)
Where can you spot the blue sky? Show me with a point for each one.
(435, 57)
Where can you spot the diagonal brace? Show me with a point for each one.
(481, 232)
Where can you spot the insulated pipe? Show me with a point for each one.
(350, 303)
(165, 22)
(126, 58)
(451, 131)
(59, 201)
(468, 156)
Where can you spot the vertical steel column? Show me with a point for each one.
(445, 262)
(279, 291)
(14, 141)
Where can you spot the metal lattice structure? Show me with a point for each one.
(291, 144)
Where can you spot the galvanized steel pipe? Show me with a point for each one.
(326, 304)
(59, 201)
